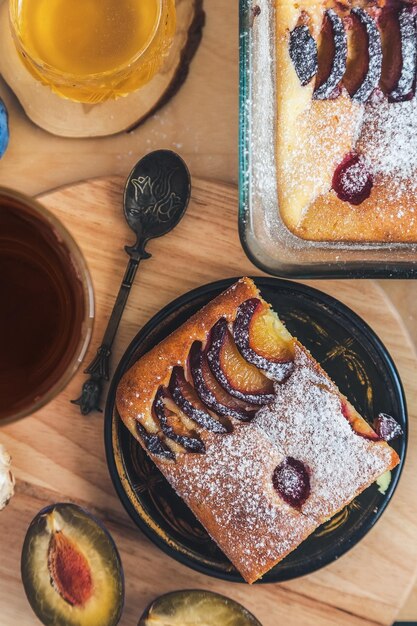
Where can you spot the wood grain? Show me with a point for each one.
(58, 455)
(66, 118)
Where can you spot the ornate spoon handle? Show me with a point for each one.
(99, 366)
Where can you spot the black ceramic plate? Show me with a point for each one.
(354, 358)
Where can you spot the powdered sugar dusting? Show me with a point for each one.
(307, 422)
(354, 179)
(231, 487)
(389, 137)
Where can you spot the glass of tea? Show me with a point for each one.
(46, 305)
(93, 50)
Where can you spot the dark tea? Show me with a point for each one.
(43, 306)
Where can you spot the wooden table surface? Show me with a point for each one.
(201, 123)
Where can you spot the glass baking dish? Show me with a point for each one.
(265, 238)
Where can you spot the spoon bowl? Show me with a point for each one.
(156, 194)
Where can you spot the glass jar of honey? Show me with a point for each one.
(93, 50)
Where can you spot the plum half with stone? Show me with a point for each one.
(200, 608)
(263, 340)
(71, 570)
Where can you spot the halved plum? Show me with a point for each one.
(173, 427)
(263, 340)
(187, 400)
(404, 89)
(332, 54)
(196, 607)
(213, 395)
(303, 53)
(233, 372)
(364, 66)
(71, 570)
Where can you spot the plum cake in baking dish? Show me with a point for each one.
(346, 119)
(249, 430)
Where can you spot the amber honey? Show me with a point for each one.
(92, 50)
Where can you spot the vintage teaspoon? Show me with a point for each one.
(156, 196)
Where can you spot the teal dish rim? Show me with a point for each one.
(275, 250)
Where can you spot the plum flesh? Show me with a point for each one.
(220, 355)
(210, 392)
(278, 370)
(71, 570)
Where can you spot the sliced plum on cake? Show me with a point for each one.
(389, 26)
(233, 372)
(399, 47)
(154, 444)
(211, 393)
(357, 423)
(303, 52)
(332, 55)
(364, 63)
(385, 427)
(172, 425)
(187, 400)
(263, 340)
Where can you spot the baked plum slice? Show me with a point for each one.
(211, 393)
(404, 89)
(154, 444)
(172, 425)
(352, 181)
(71, 570)
(263, 340)
(332, 55)
(358, 424)
(187, 400)
(291, 480)
(389, 27)
(303, 53)
(232, 371)
(196, 607)
(387, 428)
(364, 65)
